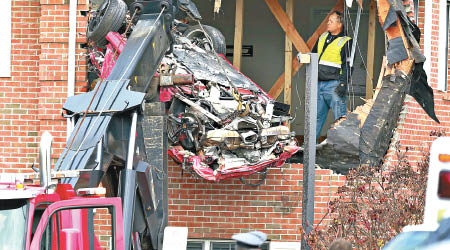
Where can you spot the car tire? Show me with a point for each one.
(196, 33)
(108, 17)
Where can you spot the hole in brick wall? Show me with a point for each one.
(83, 45)
(84, 12)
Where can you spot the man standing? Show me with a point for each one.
(334, 72)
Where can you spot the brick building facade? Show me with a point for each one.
(32, 97)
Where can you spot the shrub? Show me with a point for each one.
(375, 204)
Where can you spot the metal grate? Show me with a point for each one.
(215, 245)
(195, 245)
(222, 245)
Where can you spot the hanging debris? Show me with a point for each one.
(220, 124)
(224, 125)
(364, 137)
(380, 123)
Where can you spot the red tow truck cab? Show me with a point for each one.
(31, 218)
(55, 217)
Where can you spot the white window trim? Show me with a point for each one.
(428, 23)
(207, 243)
(442, 51)
(5, 38)
(175, 238)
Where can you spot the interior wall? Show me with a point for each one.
(262, 31)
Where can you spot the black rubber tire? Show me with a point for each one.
(219, 44)
(110, 16)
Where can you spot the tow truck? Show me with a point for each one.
(52, 215)
(120, 142)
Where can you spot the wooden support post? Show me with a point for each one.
(371, 49)
(277, 87)
(288, 57)
(238, 27)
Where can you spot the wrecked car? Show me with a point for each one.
(221, 125)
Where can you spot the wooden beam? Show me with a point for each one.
(238, 27)
(277, 87)
(287, 26)
(380, 78)
(371, 49)
(288, 56)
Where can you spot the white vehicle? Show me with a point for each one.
(437, 201)
(434, 233)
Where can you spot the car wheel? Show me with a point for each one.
(196, 34)
(108, 17)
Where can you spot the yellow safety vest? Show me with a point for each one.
(332, 54)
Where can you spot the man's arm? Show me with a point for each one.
(344, 78)
(345, 54)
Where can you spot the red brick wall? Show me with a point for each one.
(103, 227)
(54, 37)
(19, 93)
(433, 75)
(31, 99)
(218, 210)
